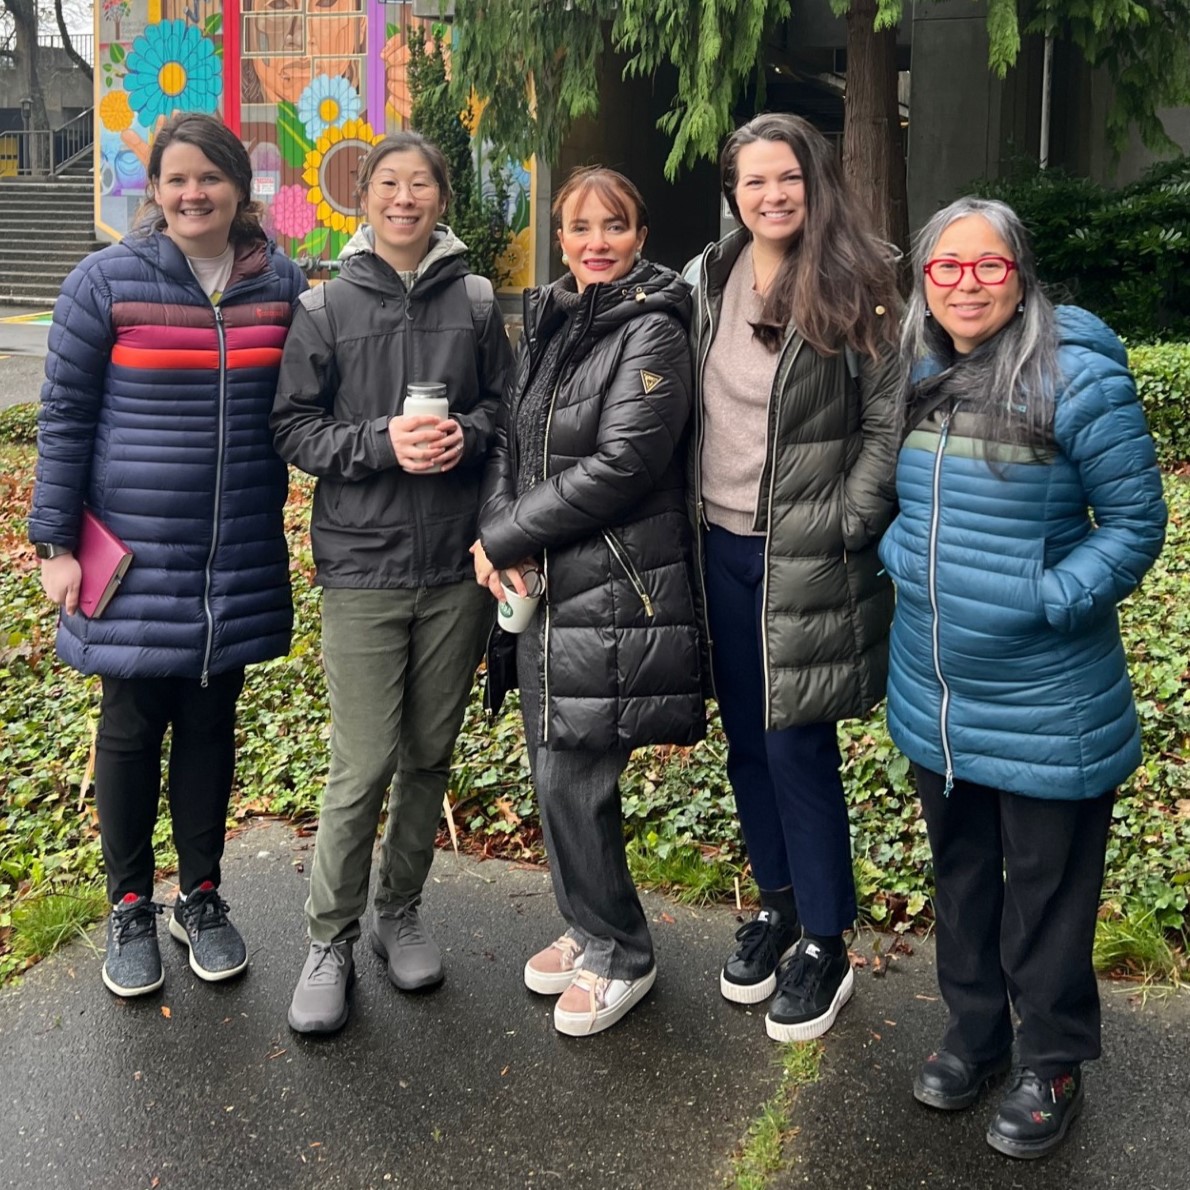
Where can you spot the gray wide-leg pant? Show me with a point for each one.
(399, 667)
(578, 796)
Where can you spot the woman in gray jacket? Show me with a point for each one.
(796, 380)
(394, 515)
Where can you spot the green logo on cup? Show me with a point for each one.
(505, 609)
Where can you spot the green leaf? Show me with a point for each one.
(117, 53)
(213, 25)
(291, 136)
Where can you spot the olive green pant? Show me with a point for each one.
(399, 668)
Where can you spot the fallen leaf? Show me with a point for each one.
(665, 917)
(165, 1012)
(1182, 805)
(875, 1036)
(154, 1182)
(891, 1024)
(505, 1071)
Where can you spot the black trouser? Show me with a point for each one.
(133, 717)
(1018, 882)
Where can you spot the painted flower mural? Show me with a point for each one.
(172, 67)
(328, 103)
(330, 173)
(115, 112)
(292, 213)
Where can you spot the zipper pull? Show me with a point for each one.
(644, 598)
(949, 787)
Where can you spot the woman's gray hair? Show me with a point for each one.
(1021, 367)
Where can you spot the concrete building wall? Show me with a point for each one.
(67, 89)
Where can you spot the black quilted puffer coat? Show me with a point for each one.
(608, 519)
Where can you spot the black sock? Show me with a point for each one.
(829, 944)
(781, 899)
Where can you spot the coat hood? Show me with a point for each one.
(1080, 328)
(363, 267)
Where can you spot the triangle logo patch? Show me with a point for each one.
(650, 380)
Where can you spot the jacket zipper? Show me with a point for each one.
(932, 585)
(414, 490)
(770, 453)
(621, 555)
(206, 593)
(699, 426)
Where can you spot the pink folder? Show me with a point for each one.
(104, 560)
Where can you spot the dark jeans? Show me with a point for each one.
(134, 714)
(788, 791)
(1017, 891)
(578, 796)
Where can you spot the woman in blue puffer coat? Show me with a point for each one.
(1030, 505)
(160, 377)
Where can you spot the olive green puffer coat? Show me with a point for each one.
(826, 496)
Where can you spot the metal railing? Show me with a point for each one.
(46, 151)
(83, 43)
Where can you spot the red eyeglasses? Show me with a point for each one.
(987, 270)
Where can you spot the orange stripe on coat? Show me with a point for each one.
(161, 360)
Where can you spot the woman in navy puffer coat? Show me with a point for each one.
(1030, 505)
(161, 373)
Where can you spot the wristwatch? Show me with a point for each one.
(47, 549)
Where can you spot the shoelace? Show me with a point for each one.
(133, 922)
(409, 931)
(320, 973)
(758, 940)
(796, 977)
(204, 911)
(571, 950)
(596, 988)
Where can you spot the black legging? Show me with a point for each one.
(134, 714)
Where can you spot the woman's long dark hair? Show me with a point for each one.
(837, 283)
(223, 149)
(1019, 369)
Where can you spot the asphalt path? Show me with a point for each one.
(201, 1087)
(22, 356)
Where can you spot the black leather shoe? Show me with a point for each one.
(949, 1083)
(1035, 1114)
(750, 973)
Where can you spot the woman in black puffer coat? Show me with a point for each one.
(586, 483)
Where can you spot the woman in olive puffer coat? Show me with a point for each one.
(586, 483)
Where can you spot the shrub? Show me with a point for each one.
(1162, 372)
(18, 423)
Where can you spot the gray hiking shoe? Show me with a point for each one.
(132, 964)
(414, 960)
(200, 922)
(319, 1003)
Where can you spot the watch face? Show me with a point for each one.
(45, 550)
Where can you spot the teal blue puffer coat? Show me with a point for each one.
(1006, 665)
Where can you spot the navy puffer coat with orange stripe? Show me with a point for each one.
(155, 414)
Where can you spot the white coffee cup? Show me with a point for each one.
(427, 400)
(517, 611)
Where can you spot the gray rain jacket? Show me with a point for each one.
(355, 343)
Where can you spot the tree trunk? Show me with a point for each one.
(68, 45)
(24, 21)
(873, 152)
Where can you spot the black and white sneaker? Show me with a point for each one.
(811, 988)
(132, 963)
(750, 974)
(200, 922)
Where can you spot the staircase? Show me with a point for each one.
(46, 227)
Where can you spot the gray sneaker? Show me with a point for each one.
(132, 964)
(414, 960)
(319, 1003)
(200, 922)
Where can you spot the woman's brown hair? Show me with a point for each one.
(223, 149)
(613, 189)
(837, 284)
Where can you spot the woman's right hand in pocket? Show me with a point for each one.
(61, 578)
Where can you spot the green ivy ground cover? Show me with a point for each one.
(677, 803)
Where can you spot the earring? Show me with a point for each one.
(929, 314)
(1020, 307)
(565, 258)
(637, 256)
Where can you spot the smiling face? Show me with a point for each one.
(972, 312)
(600, 244)
(770, 193)
(402, 204)
(199, 201)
